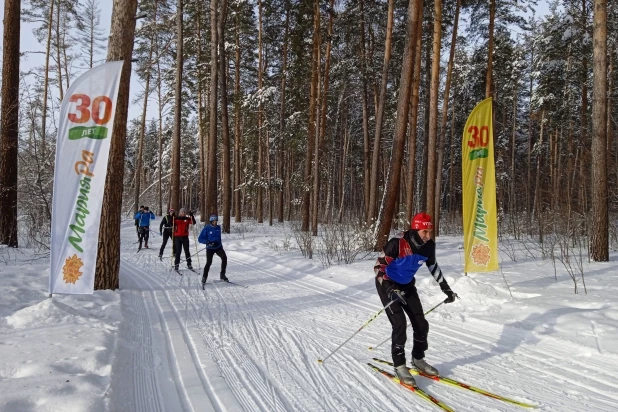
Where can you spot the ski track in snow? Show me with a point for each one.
(229, 348)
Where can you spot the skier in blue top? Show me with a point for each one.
(395, 281)
(211, 236)
(143, 218)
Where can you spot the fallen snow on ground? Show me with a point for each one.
(163, 344)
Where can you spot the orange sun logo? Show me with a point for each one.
(481, 254)
(71, 269)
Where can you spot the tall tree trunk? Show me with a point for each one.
(260, 192)
(433, 111)
(160, 112)
(366, 148)
(401, 124)
(323, 101)
(237, 136)
(282, 113)
(120, 47)
(50, 22)
(9, 124)
(225, 127)
(177, 111)
(599, 230)
(377, 152)
(58, 61)
(414, 119)
(584, 114)
(211, 192)
(490, 48)
(142, 132)
(447, 91)
(200, 120)
(537, 185)
(311, 129)
(316, 156)
(426, 107)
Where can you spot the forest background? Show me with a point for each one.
(326, 113)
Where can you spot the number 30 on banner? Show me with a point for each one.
(83, 107)
(478, 139)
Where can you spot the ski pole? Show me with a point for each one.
(361, 328)
(425, 314)
(196, 252)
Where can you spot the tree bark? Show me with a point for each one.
(140, 151)
(46, 81)
(490, 48)
(282, 113)
(375, 161)
(447, 91)
(599, 230)
(260, 192)
(120, 47)
(237, 135)
(211, 192)
(433, 111)
(366, 148)
(225, 127)
(312, 118)
(401, 123)
(200, 119)
(414, 119)
(9, 121)
(175, 189)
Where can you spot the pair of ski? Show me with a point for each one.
(442, 379)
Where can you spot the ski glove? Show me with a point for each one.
(396, 295)
(451, 296)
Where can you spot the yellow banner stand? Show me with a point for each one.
(480, 224)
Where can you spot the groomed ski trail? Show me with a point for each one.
(256, 349)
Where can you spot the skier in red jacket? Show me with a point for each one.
(181, 237)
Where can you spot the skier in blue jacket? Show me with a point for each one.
(211, 237)
(143, 218)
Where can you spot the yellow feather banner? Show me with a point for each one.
(480, 224)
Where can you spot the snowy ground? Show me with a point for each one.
(163, 344)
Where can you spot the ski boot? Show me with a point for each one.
(423, 366)
(139, 247)
(204, 282)
(224, 278)
(146, 246)
(189, 266)
(404, 375)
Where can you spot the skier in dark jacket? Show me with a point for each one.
(144, 217)
(165, 230)
(181, 237)
(211, 236)
(395, 281)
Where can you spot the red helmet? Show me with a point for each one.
(421, 221)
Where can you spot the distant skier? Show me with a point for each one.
(141, 209)
(144, 216)
(395, 271)
(165, 230)
(211, 236)
(181, 237)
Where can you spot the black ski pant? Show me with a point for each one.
(143, 233)
(209, 254)
(167, 234)
(397, 317)
(180, 243)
